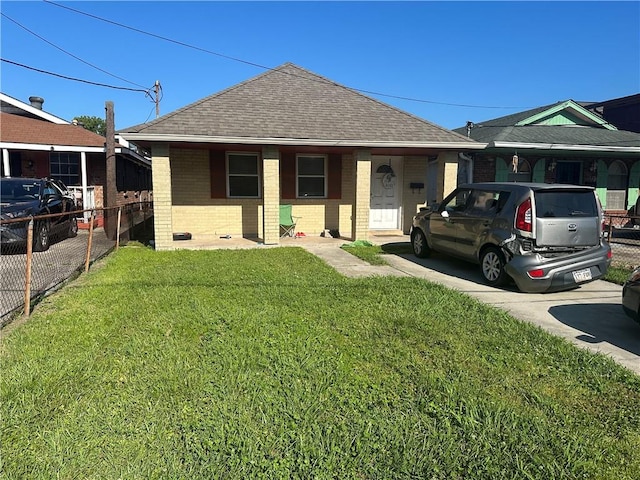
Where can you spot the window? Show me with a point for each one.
(312, 176)
(243, 175)
(617, 186)
(65, 166)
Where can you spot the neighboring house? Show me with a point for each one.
(560, 143)
(344, 161)
(35, 143)
(622, 112)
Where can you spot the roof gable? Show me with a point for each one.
(290, 102)
(565, 113)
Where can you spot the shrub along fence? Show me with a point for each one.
(32, 268)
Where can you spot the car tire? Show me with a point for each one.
(73, 227)
(492, 264)
(41, 238)
(419, 243)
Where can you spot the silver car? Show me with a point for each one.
(546, 237)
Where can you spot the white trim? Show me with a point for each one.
(50, 148)
(562, 146)
(154, 137)
(32, 110)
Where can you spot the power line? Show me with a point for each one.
(204, 50)
(66, 52)
(74, 79)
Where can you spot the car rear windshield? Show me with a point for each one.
(13, 190)
(565, 203)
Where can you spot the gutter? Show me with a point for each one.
(561, 146)
(136, 137)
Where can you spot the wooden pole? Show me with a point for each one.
(111, 190)
(88, 258)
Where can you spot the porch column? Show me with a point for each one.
(162, 200)
(271, 195)
(362, 196)
(6, 165)
(447, 173)
(83, 177)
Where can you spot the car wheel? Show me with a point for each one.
(419, 243)
(492, 266)
(41, 237)
(73, 227)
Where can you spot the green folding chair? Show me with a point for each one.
(287, 222)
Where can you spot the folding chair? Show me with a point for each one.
(287, 222)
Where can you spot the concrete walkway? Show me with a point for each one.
(590, 317)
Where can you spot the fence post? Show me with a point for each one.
(27, 276)
(118, 228)
(88, 258)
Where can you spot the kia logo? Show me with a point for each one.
(572, 227)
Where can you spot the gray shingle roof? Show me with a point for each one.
(504, 129)
(291, 102)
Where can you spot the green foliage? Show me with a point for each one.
(617, 274)
(373, 254)
(93, 124)
(266, 363)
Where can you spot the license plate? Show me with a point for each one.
(582, 275)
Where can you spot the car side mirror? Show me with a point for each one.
(444, 214)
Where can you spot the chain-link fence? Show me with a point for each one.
(623, 233)
(38, 254)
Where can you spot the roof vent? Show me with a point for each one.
(36, 102)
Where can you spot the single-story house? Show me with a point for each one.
(560, 143)
(345, 162)
(38, 144)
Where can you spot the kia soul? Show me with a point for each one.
(544, 237)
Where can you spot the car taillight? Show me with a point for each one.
(537, 273)
(523, 216)
(609, 255)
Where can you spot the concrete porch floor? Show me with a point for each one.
(214, 242)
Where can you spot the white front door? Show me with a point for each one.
(385, 208)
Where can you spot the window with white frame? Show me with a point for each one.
(65, 166)
(243, 175)
(312, 176)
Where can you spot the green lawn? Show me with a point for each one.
(265, 363)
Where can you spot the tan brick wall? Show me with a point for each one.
(447, 173)
(161, 174)
(362, 200)
(271, 194)
(196, 212)
(415, 171)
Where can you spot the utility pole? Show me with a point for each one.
(111, 190)
(157, 90)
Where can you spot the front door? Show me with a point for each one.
(386, 173)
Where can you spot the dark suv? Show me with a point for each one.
(546, 237)
(23, 198)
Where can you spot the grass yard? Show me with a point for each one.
(266, 363)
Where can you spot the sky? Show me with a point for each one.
(447, 62)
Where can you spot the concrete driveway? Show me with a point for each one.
(591, 316)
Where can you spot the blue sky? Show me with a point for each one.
(495, 58)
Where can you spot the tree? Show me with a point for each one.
(93, 124)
